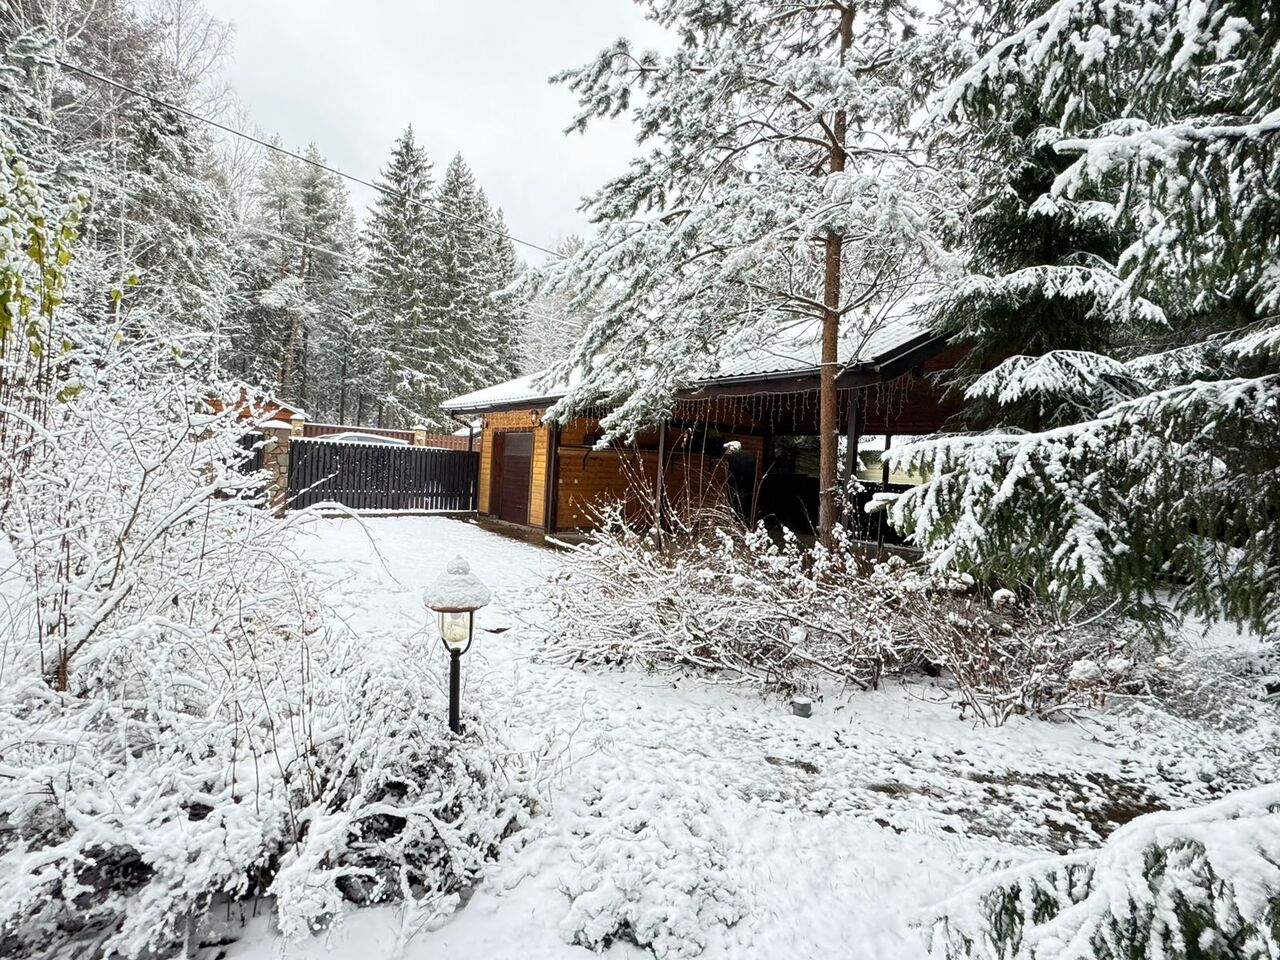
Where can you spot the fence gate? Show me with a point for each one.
(372, 476)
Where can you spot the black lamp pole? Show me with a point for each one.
(455, 596)
(455, 689)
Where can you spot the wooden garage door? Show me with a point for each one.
(515, 456)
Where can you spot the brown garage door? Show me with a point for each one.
(514, 455)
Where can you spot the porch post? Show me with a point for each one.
(552, 479)
(850, 456)
(657, 481)
(884, 484)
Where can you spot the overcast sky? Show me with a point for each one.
(470, 76)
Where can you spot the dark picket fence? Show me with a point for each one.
(370, 476)
(251, 443)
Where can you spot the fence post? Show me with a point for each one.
(275, 460)
(419, 435)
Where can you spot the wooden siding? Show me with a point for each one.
(538, 477)
(508, 420)
(588, 478)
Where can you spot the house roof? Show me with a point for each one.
(252, 402)
(792, 356)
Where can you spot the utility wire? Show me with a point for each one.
(298, 243)
(340, 254)
(387, 191)
(346, 256)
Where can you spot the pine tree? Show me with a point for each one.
(1164, 471)
(780, 185)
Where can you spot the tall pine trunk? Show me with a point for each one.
(828, 407)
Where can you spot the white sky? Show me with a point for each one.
(470, 76)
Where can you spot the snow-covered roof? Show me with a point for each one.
(802, 352)
(795, 355)
(519, 390)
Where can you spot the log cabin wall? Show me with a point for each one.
(584, 477)
(587, 478)
(515, 420)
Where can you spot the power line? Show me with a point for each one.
(297, 156)
(298, 243)
(339, 254)
(346, 256)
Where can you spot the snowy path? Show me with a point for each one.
(833, 830)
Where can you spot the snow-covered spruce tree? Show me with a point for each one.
(1201, 883)
(156, 208)
(1040, 270)
(298, 268)
(348, 355)
(779, 188)
(1163, 467)
(472, 339)
(403, 279)
(344, 371)
(155, 200)
(507, 304)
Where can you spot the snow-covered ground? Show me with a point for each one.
(709, 810)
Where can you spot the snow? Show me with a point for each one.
(706, 817)
(456, 589)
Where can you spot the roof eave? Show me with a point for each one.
(493, 406)
(913, 351)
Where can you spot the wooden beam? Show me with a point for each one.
(552, 492)
(851, 451)
(659, 476)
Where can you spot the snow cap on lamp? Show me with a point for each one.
(456, 589)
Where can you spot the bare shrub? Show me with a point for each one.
(182, 722)
(747, 604)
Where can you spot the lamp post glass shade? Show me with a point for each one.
(456, 628)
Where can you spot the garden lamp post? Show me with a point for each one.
(455, 596)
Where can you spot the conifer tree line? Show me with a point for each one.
(369, 323)
(374, 324)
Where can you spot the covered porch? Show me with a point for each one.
(745, 440)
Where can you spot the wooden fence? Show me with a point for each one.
(371, 476)
(251, 443)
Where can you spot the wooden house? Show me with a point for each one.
(745, 434)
